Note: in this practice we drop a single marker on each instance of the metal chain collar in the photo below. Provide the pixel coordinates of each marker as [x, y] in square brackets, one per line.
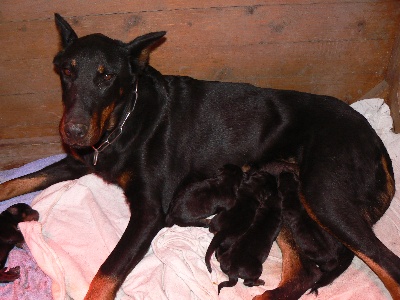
[116, 132]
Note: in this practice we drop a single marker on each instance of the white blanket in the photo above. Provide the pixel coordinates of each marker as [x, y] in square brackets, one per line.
[82, 220]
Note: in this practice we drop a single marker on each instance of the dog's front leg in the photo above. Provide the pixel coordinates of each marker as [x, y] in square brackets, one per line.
[65, 169]
[144, 223]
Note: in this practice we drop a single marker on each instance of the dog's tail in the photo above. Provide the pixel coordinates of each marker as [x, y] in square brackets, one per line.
[214, 244]
[231, 282]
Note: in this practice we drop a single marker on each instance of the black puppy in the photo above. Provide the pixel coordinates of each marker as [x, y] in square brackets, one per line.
[229, 225]
[245, 257]
[146, 132]
[199, 198]
[10, 236]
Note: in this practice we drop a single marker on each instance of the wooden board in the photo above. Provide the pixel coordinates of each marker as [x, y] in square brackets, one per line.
[393, 79]
[340, 48]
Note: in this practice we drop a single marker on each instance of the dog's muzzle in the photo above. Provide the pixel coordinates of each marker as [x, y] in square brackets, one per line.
[75, 134]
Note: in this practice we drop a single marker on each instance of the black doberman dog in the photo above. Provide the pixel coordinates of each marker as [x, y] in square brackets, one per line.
[10, 236]
[198, 198]
[246, 255]
[144, 131]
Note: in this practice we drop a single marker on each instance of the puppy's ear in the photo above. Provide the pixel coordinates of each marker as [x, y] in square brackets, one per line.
[68, 35]
[140, 48]
[13, 210]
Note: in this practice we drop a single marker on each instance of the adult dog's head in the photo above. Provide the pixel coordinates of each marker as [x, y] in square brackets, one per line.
[98, 76]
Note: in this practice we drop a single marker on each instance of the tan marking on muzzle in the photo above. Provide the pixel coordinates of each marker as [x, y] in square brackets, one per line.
[98, 122]
[101, 69]
[105, 115]
[108, 116]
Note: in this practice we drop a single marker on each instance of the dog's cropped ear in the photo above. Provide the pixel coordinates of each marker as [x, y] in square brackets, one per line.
[140, 48]
[68, 35]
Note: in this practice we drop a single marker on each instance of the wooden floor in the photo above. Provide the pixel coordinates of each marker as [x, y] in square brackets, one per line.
[17, 152]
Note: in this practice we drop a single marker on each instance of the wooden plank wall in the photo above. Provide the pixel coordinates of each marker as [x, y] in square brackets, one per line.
[393, 82]
[338, 47]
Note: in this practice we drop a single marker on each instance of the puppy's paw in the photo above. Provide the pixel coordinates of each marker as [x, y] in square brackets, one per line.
[9, 274]
[254, 282]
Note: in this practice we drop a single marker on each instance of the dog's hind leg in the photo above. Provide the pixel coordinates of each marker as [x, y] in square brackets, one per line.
[299, 274]
[65, 169]
[351, 223]
[356, 234]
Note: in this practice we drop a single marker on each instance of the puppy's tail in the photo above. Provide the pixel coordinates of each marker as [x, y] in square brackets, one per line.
[214, 244]
[231, 282]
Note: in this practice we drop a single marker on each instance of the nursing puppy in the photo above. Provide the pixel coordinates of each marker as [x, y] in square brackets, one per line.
[199, 198]
[229, 225]
[10, 236]
[246, 256]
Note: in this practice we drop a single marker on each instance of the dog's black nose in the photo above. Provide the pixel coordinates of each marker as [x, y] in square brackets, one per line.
[73, 130]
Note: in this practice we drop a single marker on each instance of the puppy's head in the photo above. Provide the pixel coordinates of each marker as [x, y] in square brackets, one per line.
[98, 76]
[22, 212]
[230, 175]
[258, 183]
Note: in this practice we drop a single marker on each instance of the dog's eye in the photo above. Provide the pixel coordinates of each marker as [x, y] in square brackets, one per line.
[67, 72]
[108, 77]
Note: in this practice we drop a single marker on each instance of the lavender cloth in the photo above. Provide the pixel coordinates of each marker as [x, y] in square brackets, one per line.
[25, 169]
[33, 284]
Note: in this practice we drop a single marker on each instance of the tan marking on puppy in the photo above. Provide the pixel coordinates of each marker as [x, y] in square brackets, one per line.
[102, 287]
[73, 62]
[246, 168]
[19, 186]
